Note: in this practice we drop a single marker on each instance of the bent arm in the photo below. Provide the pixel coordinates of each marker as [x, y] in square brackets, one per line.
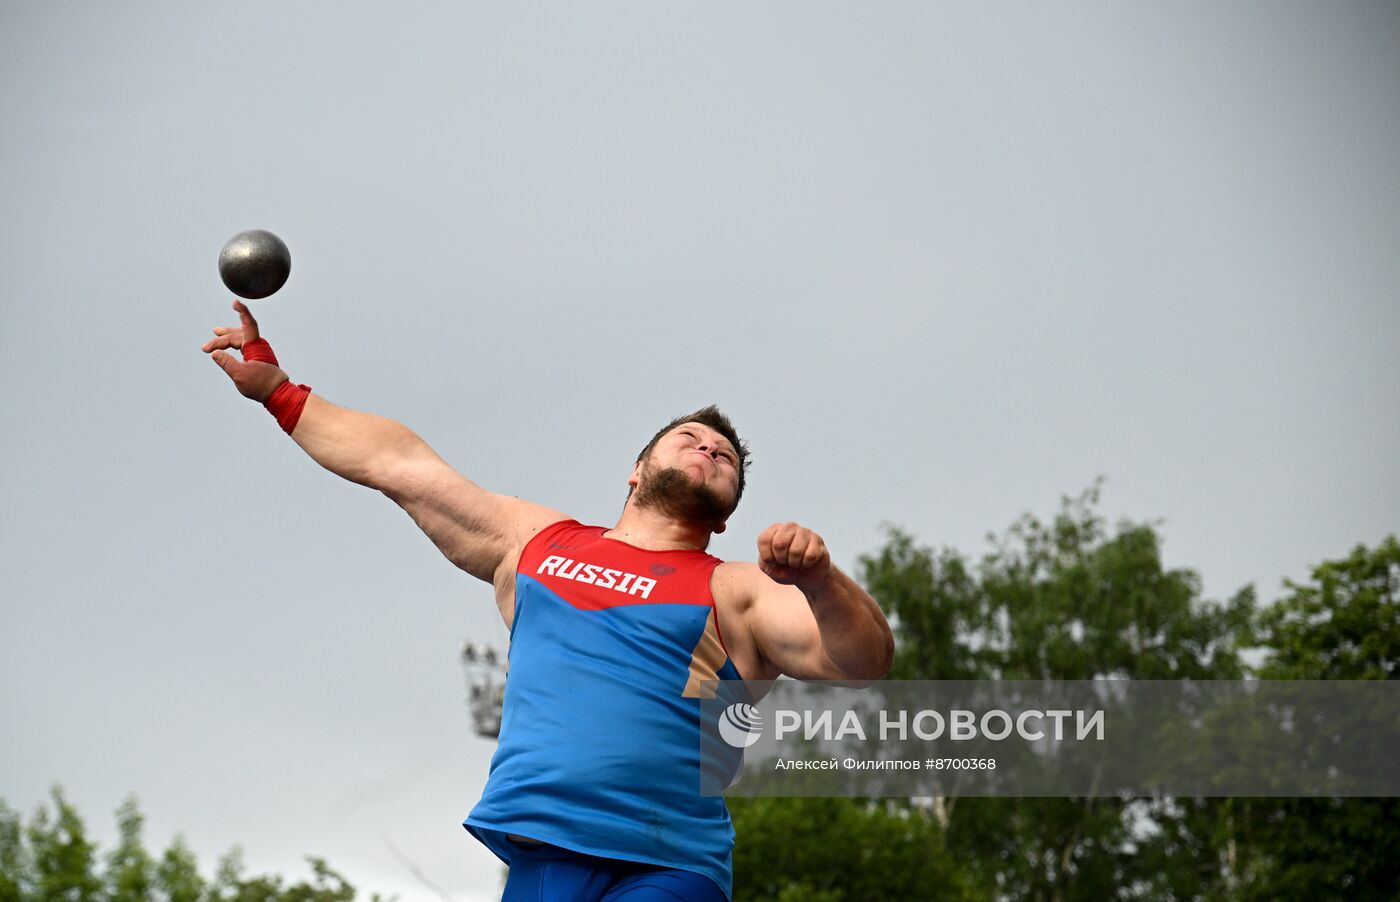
[852, 631]
[828, 630]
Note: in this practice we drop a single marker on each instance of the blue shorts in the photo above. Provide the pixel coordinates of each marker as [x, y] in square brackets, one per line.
[545, 873]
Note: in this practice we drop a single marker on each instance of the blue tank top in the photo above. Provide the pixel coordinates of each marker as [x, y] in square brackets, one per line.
[600, 748]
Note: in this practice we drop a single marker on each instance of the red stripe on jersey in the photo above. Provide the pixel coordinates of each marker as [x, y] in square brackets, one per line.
[593, 573]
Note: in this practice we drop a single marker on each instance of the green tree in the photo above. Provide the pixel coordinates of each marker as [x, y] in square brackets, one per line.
[15, 869]
[1065, 599]
[52, 860]
[1069, 600]
[840, 850]
[230, 885]
[177, 875]
[1342, 624]
[130, 870]
[64, 859]
[326, 886]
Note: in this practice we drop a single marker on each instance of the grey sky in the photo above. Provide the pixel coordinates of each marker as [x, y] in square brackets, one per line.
[942, 263]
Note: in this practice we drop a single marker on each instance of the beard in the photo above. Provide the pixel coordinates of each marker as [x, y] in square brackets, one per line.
[669, 491]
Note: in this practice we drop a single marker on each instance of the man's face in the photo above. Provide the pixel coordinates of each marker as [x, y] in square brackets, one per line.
[692, 474]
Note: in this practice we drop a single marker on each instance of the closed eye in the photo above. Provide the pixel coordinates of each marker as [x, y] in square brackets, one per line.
[726, 454]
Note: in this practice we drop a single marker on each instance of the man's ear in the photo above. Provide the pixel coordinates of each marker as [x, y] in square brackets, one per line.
[718, 527]
[635, 479]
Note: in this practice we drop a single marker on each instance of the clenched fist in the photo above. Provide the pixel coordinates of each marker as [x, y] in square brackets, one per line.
[793, 555]
[257, 374]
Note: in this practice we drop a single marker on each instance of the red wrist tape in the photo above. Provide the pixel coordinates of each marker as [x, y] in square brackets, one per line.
[285, 403]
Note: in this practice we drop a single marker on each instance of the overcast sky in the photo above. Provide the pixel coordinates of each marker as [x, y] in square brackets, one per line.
[943, 263]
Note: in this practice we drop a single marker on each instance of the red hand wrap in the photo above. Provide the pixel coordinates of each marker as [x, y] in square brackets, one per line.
[285, 403]
[258, 349]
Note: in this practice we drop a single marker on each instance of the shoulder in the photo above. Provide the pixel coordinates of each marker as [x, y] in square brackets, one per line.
[736, 584]
[735, 588]
[530, 525]
[548, 529]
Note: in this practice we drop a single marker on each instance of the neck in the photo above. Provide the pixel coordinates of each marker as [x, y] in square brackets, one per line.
[654, 531]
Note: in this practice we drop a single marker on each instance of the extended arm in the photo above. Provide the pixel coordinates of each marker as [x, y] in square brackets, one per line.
[475, 529]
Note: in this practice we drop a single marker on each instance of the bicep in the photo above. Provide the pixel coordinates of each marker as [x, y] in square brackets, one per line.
[475, 529]
[785, 631]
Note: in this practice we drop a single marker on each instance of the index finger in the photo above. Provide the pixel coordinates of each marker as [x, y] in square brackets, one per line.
[765, 543]
[250, 325]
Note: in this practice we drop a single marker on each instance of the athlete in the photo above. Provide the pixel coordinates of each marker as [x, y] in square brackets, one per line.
[594, 788]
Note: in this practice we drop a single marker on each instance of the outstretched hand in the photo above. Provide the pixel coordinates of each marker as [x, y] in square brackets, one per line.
[257, 374]
[793, 555]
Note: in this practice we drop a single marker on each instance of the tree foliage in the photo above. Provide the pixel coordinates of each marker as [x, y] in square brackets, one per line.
[53, 860]
[1072, 599]
[883, 851]
[1342, 624]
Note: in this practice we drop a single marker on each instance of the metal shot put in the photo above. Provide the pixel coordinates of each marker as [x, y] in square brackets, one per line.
[255, 264]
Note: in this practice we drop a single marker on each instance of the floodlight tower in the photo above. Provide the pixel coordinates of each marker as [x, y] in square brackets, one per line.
[486, 687]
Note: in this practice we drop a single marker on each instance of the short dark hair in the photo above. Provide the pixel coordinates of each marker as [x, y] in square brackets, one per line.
[712, 417]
